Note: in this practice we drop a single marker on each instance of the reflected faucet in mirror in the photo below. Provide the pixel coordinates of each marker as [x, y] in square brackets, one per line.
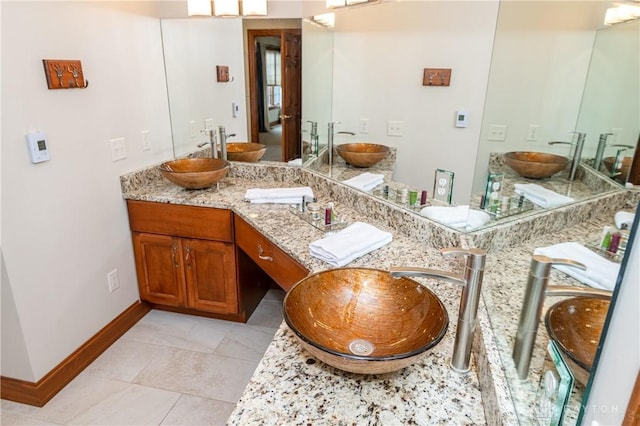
[577, 153]
[315, 140]
[602, 145]
[212, 141]
[537, 288]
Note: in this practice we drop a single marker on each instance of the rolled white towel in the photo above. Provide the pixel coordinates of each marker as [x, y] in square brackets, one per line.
[345, 246]
[540, 196]
[624, 220]
[600, 272]
[365, 181]
[296, 162]
[278, 195]
[457, 216]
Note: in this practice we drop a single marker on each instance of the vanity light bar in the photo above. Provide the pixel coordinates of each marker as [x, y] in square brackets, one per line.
[254, 7]
[332, 4]
[621, 13]
[199, 7]
[325, 20]
[226, 8]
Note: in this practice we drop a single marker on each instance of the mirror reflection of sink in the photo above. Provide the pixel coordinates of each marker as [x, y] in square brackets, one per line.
[364, 320]
[195, 173]
[535, 165]
[576, 325]
[623, 170]
[244, 151]
[362, 154]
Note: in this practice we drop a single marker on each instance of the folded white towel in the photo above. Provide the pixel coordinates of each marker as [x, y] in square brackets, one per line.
[540, 196]
[365, 181]
[296, 162]
[624, 219]
[457, 216]
[278, 195]
[600, 273]
[345, 246]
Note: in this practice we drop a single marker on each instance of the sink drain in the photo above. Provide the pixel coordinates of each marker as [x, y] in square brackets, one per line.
[361, 347]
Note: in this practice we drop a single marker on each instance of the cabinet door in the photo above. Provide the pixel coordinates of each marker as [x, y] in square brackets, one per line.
[210, 268]
[160, 269]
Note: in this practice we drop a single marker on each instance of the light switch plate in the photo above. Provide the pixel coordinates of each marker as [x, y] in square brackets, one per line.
[118, 149]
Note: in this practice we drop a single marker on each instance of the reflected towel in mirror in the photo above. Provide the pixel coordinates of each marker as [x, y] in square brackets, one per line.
[278, 195]
[365, 181]
[296, 162]
[601, 273]
[345, 246]
[461, 217]
[542, 197]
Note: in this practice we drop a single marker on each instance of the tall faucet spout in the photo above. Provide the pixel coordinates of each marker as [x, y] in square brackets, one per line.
[469, 300]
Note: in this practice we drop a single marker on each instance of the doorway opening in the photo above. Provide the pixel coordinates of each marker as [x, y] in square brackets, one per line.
[274, 58]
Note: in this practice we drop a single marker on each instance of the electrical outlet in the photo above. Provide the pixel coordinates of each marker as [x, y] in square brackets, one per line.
[532, 135]
[497, 132]
[118, 149]
[394, 128]
[193, 131]
[146, 143]
[113, 280]
[364, 126]
[208, 124]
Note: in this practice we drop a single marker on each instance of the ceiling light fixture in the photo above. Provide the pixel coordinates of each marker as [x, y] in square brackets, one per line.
[254, 7]
[332, 4]
[621, 13]
[199, 7]
[226, 8]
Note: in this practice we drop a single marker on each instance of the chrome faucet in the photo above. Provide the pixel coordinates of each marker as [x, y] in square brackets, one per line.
[577, 153]
[602, 145]
[223, 141]
[315, 143]
[471, 282]
[211, 141]
[535, 292]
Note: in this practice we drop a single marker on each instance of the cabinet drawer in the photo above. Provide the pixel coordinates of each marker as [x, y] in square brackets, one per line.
[282, 268]
[183, 221]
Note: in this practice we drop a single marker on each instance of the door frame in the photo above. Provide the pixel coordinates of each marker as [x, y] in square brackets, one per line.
[252, 34]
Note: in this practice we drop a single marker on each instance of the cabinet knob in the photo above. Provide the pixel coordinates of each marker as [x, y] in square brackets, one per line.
[261, 256]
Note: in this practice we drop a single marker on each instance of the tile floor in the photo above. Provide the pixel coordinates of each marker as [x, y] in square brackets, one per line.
[169, 369]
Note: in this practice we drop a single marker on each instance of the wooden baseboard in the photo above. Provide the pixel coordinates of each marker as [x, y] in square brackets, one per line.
[46, 388]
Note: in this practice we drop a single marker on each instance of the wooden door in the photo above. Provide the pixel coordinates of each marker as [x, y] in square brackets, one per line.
[210, 271]
[160, 269]
[291, 60]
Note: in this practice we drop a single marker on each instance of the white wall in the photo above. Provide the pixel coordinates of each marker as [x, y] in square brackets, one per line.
[64, 221]
[611, 98]
[380, 54]
[193, 48]
[540, 60]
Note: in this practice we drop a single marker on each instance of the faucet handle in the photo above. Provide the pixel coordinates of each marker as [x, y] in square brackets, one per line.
[476, 257]
[541, 264]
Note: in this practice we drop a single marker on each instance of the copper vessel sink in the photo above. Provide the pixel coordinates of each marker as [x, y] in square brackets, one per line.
[576, 325]
[364, 320]
[195, 173]
[535, 165]
[362, 154]
[244, 151]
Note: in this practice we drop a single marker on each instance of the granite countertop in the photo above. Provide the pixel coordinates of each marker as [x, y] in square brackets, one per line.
[290, 387]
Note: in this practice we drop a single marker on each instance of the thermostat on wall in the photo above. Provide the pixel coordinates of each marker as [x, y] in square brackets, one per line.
[38, 147]
[461, 118]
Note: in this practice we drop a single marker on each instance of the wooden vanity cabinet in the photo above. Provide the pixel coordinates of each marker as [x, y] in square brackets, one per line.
[185, 258]
[274, 262]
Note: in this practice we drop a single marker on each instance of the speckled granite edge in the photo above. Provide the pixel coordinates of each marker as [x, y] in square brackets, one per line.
[550, 221]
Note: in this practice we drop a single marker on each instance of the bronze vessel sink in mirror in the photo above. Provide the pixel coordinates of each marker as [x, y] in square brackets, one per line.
[535, 165]
[244, 151]
[362, 154]
[576, 325]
